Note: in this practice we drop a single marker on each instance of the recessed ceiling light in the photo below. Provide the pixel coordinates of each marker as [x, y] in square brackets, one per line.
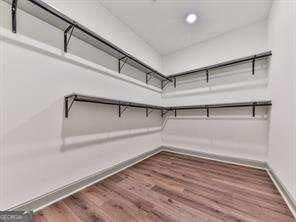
[191, 18]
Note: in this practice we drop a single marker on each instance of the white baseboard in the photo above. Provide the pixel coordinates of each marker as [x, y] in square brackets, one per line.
[65, 191]
[290, 201]
[226, 159]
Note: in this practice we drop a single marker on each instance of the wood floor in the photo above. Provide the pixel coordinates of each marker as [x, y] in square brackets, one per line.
[172, 187]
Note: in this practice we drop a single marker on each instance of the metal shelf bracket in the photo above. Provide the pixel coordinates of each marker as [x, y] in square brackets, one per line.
[164, 83]
[68, 104]
[164, 112]
[148, 112]
[66, 38]
[121, 110]
[120, 66]
[149, 76]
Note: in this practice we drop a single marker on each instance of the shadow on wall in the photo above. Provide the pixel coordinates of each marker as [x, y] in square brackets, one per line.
[107, 138]
[88, 124]
[232, 132]
[35, 135]
[223, 79]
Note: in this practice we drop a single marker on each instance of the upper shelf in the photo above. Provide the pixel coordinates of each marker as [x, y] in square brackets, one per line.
[107, 101]
[206, 69]
[70, 27]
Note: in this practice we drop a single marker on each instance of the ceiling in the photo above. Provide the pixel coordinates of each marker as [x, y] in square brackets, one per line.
[161, 23]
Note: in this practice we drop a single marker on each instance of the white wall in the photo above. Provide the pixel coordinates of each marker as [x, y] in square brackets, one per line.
[282, 137]
[102, 22]
[229, 132]
[240, 138]
[237, 93]
[37, 141]
[40, 149]
[231, 45]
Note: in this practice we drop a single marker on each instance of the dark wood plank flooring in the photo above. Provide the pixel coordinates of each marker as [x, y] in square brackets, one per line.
[173, 187]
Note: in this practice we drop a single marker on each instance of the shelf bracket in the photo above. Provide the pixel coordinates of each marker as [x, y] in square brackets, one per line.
[120, 66]
[254, 110]
[121, 110]
[208, 111]
[164, 83]
[175, 111]
[164, 112]
[148, 112]
[66, 38]
[13, 15]
[68, 104]
[253, 65]
[149, 76]
[175, 82]
[207, 75]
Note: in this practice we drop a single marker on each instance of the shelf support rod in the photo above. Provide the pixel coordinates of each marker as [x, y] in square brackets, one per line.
[253, 65]
[175, 82]
[66, 39]
[207, 74]
[208, 111]
[254, 109]
[175, 112]
[13, 15]
[119, 63]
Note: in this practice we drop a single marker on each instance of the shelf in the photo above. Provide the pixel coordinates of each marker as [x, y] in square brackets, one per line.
[122, 105]
[207, 107]
[35, 45]
[70, 99]
[70, 28]
[206, 69]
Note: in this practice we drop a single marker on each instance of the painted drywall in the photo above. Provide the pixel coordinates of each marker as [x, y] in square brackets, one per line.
[282, 137]
[232, 93]
[102, 22]
[54, 37]
[40, 149]
[237, 135]
[226, 85]
[34, 132]
[238, 43]
[227, 132]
